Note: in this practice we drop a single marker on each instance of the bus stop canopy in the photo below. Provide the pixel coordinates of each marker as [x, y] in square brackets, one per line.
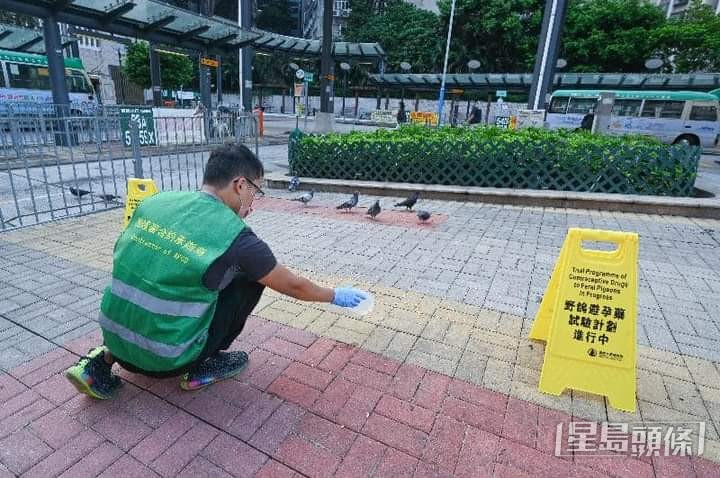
[13, 37]
[269, 41]
[161, 23]
[520, 82]
[151, 20]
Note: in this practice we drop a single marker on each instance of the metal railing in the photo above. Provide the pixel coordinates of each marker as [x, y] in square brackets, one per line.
[54, 166]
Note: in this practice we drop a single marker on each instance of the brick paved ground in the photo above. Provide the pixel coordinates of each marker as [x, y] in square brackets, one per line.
[439, 379]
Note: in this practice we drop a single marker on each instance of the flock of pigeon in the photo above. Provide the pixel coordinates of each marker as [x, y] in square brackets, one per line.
[79, 193]
[373, 210]
[347, 206]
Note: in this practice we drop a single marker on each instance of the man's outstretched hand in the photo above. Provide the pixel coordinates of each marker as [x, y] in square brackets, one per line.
[348, 297]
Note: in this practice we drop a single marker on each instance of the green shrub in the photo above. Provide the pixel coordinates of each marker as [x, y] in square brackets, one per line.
[496, 157]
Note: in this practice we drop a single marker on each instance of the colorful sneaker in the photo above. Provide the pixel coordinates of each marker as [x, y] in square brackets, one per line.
[220, 366]
[92, 376]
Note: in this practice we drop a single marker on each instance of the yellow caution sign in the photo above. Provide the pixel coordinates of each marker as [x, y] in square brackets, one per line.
[588, 317]
[138, 189]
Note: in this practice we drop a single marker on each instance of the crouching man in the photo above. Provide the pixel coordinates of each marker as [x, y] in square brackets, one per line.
[187, 273]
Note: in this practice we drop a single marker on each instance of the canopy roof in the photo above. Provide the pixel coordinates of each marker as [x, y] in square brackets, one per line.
[159, 22]
[522, 81]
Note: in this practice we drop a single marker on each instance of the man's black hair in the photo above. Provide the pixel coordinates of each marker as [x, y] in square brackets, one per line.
[230, 161]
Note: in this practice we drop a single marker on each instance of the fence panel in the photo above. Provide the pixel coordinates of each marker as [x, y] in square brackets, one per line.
[464, 159]
[55, 165]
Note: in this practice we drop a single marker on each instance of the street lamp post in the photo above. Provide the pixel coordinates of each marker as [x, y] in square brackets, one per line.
[405, 67]
[345, 67]
[441, 100]
[294, 67]
[472, 66]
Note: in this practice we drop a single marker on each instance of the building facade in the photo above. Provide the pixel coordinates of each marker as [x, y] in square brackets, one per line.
[312, 14]
[101, 56]
[674, 8]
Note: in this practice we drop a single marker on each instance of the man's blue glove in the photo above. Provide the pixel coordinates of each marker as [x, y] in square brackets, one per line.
[348, 297]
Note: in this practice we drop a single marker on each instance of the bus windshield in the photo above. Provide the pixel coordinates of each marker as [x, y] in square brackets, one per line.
[37, 77]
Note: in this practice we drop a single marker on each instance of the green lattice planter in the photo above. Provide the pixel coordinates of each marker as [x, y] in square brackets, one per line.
[493, 157]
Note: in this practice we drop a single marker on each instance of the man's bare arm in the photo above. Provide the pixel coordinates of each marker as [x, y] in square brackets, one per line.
[282, 280]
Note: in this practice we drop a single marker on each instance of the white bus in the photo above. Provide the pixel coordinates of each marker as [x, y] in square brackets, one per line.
[671, 116]
[25, 84]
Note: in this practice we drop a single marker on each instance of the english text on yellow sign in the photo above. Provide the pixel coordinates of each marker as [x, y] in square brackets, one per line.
[588, 317]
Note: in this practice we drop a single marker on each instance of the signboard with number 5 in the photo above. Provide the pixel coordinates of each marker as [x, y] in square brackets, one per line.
[145, 122]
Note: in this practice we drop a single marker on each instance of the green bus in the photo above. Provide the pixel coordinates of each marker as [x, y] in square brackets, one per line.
[25, 83]
[672, 116]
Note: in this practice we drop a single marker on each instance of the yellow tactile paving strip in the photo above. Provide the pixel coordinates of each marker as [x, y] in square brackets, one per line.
[479, 345]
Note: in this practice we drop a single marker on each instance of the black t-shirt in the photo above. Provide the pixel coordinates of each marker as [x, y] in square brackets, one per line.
[247, 256]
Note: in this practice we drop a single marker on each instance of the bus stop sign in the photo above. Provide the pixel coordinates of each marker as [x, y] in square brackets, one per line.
[146, 126]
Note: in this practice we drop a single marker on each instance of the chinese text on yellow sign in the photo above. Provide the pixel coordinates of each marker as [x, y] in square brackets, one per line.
[588, 316]
[138, 189]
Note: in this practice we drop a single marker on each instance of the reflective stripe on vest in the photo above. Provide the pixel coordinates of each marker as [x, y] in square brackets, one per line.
[155, 305]
[158, 348]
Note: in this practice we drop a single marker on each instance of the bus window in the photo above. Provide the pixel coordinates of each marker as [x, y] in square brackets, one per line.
[626, 107]
[663, 109]
[581, 105]
[28, 76]
[558, 105]
[703, 113]
[76, 82]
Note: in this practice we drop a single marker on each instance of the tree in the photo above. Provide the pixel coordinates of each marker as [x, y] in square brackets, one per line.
[274, 16]
[176, 71]
[610, 35]
[501, 34]
[406, 32]
[691, 43]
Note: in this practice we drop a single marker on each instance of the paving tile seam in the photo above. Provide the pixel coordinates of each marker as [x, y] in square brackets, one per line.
[399, 293]
[714, 420]
[339, 372]
[515, 372]
[139, 385]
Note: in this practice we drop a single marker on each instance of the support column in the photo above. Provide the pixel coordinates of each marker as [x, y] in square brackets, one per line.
[218, 79]
[155, 80]
[547, 53]
[205, 98]
[245, 60]
[56, 63]
[56, 68]
[205, 7]
[325, 120]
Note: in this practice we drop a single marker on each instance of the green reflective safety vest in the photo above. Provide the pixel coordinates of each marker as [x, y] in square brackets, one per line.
[156, 312]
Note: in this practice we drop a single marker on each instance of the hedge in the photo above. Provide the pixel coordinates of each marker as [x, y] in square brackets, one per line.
[502, 158]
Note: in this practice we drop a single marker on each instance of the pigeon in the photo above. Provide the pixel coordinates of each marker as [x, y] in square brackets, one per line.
[350, 203]
[294, 184]
[108, 197]
[305, 198]
[423, 215]
[374, 210]
[409, 202]
[79, 192]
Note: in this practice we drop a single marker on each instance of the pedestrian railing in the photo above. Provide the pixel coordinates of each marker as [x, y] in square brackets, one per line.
[54, 166]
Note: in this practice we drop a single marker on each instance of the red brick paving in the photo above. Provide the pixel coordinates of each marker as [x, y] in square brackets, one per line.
[388, 217]
[306, 406]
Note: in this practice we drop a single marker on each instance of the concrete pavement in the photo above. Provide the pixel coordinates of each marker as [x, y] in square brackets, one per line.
[439, 379]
